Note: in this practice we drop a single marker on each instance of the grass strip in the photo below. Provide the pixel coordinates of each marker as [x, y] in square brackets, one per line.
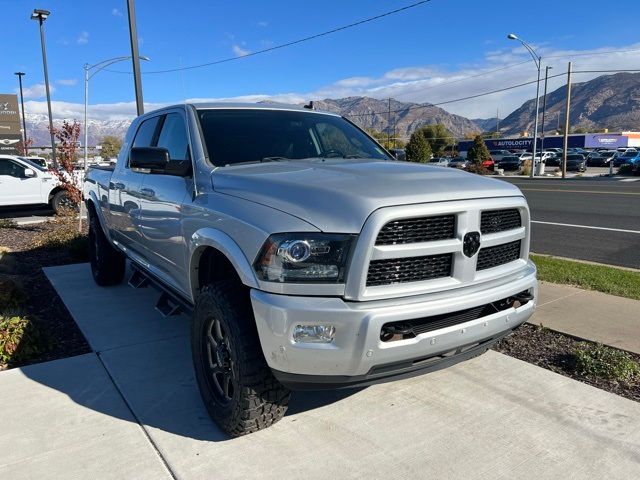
[601, 278]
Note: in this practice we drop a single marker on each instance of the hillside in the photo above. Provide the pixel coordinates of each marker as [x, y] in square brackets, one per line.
[608, 101]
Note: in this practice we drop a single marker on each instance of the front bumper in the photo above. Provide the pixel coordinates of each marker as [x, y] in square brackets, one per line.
[357, 356]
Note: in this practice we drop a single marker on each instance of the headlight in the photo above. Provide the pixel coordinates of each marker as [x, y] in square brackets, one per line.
[304, 258]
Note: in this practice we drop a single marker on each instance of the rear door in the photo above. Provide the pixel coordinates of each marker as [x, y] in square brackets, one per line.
[124, 190]
[15, 187]
[162, 199]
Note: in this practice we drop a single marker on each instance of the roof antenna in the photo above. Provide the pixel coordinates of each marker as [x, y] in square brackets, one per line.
[309, 105]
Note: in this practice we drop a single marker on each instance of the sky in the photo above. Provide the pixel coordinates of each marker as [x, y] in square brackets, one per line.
[435, 52]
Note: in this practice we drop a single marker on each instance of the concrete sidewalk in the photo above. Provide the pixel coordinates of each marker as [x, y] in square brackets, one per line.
[491, 417]
[595, 316]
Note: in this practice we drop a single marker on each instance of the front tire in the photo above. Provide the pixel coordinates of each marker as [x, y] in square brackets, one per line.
[239, 391]
[107, 263]
[61, 202]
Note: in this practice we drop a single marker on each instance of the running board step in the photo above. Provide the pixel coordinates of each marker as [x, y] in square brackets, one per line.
[138, 280]
[167, 306]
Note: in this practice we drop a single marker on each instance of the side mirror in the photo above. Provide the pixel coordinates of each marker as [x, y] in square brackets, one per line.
[28, 173]
[155, 159]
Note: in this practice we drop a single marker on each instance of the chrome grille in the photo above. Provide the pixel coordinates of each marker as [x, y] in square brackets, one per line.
[414, 230]
[493, 221]
[412, 269]
[499, 255]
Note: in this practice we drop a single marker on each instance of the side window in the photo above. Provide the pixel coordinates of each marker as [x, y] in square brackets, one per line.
[173, 137]
[146, 133]
[12, 169]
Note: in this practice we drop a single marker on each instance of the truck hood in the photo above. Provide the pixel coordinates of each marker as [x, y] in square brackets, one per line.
[338, 195]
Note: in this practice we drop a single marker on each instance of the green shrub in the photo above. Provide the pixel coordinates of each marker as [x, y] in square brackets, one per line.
[605, 362]
[12, 329]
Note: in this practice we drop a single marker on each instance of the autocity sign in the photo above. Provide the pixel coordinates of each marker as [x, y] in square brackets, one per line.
[515, 143]
[605, 140]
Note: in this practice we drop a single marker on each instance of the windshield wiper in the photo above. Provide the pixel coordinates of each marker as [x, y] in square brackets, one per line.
[273, 159]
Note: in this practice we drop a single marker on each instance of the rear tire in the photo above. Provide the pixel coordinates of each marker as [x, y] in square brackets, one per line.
[107, 263]
[239, 391]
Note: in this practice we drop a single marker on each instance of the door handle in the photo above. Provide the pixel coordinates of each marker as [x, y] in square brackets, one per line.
[117, 185]
[147, 192]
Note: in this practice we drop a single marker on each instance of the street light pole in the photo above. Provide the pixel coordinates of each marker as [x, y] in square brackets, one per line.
[537, 59]
[24, 123]
[41, 16]
[544, 106]
[135, 56]
[87, 76]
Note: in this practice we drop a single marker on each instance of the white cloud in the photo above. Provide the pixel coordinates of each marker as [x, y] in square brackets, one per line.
[67, 82]
[263, 24]
[434, 84]
[37, 90]
[238, 51]
[83, 38]
[116, 13]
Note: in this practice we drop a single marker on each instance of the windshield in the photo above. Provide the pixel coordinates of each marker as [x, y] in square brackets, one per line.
[254, 135]
[33, 164]
[575, 157]
[629, 154]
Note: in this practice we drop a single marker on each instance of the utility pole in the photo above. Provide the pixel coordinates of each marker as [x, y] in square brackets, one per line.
[497, 122]
[135, 56]
[566, 124]
[389, 126]
[544, 106]
[41, 16]
[24, 122]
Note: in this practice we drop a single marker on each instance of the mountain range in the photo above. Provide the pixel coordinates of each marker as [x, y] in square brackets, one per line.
[608, 101]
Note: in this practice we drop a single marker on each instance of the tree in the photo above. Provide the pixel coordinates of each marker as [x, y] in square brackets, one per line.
[23, 147]
[66, 150]
[111, 146]
[418, 149]
[438, 137]
[478, 152]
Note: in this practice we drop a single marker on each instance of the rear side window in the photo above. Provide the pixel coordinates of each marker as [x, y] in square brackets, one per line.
[146, 133]
[12, 169]
[173, 137]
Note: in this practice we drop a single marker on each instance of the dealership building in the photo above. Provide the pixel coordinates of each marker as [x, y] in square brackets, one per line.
[587, 140]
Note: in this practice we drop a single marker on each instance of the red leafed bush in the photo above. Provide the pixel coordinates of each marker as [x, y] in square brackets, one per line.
[66, 153]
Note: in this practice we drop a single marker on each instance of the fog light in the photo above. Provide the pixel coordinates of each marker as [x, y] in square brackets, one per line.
[314, 333]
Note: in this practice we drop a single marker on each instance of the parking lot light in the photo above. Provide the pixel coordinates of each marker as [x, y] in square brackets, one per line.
[537, 59]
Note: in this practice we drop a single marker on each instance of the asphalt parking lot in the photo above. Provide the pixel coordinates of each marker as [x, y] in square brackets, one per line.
[588, 219]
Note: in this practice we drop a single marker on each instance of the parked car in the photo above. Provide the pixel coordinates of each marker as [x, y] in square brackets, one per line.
[37, 160]
[307, 257]
[23, 182]
[511, 162]
[554, 159]
[629, 156]
[576, 163]
[554, 150]
[600, 159]
[398, 153]
[497, 155]
[459, 162]
[439, 161]
[524, 155]
[489, 164]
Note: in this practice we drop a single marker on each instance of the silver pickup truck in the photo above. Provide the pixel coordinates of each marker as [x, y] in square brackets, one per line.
[307, 256]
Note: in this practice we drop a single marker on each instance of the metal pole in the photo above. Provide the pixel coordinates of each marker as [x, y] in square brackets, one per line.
[535, 128]
[544, 107]
[24, 122]
[54, 159]
[389, 126]
[497, 122]
[566, 124]
[86, 103]
[135, 57]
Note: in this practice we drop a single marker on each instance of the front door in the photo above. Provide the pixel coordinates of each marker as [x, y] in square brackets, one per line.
[162, 199]
[16, 188]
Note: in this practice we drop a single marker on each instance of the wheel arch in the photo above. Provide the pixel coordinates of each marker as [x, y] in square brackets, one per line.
[213, 255]
[93, 208]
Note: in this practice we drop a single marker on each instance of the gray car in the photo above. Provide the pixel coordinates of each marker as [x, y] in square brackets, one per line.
[306, 256]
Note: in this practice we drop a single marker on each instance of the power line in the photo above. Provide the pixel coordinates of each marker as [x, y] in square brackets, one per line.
[288, 44]
[591, 53]
[511, 87]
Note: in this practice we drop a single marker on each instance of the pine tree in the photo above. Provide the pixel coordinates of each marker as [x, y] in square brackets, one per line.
[418, 150]
[478, 152]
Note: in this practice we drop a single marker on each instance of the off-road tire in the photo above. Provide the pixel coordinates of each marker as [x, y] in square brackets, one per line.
[61, 201]
[107, 263]
[259, 400]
